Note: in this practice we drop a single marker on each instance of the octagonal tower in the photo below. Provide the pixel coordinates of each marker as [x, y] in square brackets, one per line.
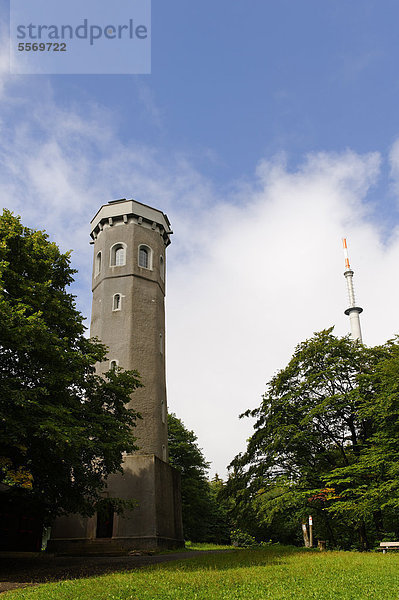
[128, 313]
[128, 316]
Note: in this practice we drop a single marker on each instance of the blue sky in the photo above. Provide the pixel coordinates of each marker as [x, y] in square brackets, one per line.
[245, 79]
[266, 131]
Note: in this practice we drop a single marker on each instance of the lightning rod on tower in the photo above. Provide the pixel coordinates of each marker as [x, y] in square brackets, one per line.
[353, 311]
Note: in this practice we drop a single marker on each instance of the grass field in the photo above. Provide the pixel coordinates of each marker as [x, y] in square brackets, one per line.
[205, 546]
[268, 573]
[195, 546]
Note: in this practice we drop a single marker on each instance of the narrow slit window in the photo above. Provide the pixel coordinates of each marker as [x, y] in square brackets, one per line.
[98, 264]
[162, 267]
[116, 305]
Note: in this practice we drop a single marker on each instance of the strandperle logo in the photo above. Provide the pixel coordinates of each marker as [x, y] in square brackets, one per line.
[80, 37]
[85, 31]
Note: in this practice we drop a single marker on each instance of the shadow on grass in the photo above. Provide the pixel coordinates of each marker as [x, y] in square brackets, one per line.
[235, 559]
[15, 572]
[45, 569]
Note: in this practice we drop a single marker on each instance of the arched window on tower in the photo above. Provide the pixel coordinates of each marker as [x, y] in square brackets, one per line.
[145, 257]
[116, 302]
[97, 269]
[113, 364]
[118, 255]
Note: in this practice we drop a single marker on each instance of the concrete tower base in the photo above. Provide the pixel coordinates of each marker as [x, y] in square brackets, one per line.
[155, 523]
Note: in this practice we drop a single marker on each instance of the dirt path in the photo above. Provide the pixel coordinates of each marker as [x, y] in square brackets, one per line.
[22, 572]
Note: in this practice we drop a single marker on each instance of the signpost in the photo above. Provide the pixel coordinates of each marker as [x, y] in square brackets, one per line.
[305, 535]
[310, 531]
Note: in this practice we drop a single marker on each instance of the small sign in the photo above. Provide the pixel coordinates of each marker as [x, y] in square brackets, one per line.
[310, 520]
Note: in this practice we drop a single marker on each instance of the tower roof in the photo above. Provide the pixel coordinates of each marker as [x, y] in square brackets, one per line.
[122, 209]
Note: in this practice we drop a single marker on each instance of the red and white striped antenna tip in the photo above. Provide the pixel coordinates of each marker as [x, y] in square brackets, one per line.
[347, 265]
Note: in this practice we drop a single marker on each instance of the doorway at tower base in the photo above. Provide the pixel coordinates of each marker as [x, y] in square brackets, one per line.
[155, 523]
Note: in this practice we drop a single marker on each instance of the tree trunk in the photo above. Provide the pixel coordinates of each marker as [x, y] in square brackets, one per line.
[378, 521]
[363, 536]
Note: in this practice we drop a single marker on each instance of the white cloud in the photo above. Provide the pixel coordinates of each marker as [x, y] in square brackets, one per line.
[249, 275]
[266, 275]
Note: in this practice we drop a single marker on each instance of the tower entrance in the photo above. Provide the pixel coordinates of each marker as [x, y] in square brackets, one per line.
[105, 521]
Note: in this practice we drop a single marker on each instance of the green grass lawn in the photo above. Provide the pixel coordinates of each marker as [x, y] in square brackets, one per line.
[196, 546]
[268, 573]
[205, 546]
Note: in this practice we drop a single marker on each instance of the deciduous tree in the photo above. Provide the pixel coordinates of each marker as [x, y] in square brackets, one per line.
[317, 440]
[63, 428]
[186, 456]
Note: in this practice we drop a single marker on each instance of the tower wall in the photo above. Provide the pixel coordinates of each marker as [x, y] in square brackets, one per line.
[133, 329]
[135, 333]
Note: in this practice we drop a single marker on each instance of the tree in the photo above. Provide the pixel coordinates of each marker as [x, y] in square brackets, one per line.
[369, 486]
[219, 522]
[63, 428]
[316, 425]
[205, 513]
[187, 457]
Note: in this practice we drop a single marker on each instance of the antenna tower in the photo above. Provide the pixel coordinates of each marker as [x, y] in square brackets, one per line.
[353, 311]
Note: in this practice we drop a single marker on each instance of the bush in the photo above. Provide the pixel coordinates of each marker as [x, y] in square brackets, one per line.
[241, 539]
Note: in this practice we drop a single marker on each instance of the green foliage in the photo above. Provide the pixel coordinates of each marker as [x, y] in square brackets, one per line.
[325, 443]
[204, 516]
[272, 573]
[63, 428]
[369, 486]
[187, 457]
[241, 539]
[219, 523]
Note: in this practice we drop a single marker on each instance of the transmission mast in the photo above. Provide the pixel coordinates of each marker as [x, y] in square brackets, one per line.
[353, 311]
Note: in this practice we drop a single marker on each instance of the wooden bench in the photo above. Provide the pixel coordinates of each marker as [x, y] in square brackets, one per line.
[388, 545]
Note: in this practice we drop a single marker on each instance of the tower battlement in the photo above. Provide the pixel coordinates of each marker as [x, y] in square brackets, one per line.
[130, 211]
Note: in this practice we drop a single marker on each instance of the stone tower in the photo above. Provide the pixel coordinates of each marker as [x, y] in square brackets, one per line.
[128, 313]
[128, 316]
